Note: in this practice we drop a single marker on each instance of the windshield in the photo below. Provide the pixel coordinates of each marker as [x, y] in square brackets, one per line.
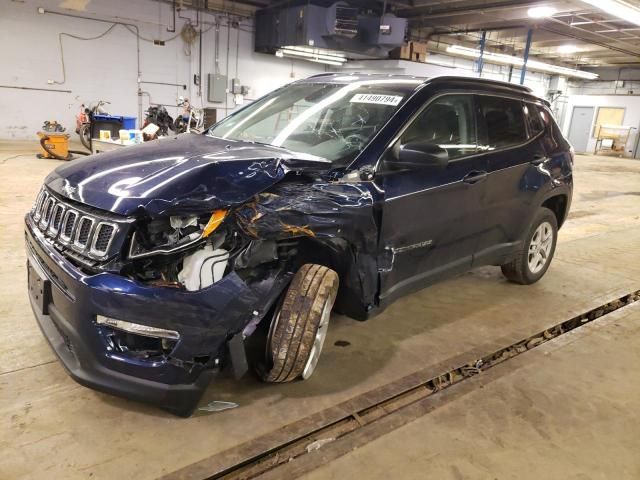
[330, 120]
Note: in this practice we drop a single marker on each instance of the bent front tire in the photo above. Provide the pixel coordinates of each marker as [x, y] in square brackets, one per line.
[299, 326]
[539, 247]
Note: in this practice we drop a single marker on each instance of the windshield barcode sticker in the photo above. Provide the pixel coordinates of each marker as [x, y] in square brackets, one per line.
[378, 99]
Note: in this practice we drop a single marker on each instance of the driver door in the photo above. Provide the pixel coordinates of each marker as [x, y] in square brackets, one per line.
[433, 216]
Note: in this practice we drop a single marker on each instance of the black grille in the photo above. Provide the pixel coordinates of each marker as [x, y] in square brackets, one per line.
[68, 226]
[84, 230]
[103, 237]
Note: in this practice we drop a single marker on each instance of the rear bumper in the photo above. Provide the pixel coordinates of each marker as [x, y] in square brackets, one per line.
[65, 302]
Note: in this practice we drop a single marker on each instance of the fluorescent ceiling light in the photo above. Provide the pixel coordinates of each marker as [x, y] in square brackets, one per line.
[531, 64]
[440, 63]
[327, 57]
[617, 8]
[567, 49]
[326, 62]
[541, 11]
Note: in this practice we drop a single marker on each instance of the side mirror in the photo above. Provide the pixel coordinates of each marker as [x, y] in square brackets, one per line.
[419, 155]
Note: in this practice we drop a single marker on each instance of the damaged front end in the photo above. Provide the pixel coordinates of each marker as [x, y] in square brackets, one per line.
[173, 294]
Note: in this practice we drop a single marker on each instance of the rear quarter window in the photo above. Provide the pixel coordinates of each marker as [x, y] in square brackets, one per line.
[535, 118]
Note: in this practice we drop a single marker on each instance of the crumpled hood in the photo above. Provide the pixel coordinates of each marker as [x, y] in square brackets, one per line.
[178, 174]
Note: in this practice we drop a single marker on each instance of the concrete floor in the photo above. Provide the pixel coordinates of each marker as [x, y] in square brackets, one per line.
[51, 427]
[567, 410]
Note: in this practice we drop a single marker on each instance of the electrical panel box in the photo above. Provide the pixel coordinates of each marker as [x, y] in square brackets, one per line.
[236, 86]
[217, 88]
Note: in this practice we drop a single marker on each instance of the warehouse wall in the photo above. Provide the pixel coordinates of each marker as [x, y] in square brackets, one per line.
[631, 104]
[106, 68]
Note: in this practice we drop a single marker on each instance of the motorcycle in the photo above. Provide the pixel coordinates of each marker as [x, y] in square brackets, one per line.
[159, 116]
[191, 118]
[84, 119]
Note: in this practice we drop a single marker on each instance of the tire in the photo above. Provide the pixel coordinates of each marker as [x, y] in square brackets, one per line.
[533, 260]
[299, 325]
[85, 135]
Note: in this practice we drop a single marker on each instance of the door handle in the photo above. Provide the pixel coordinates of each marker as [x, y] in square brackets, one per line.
[539, 158]
[474, 176]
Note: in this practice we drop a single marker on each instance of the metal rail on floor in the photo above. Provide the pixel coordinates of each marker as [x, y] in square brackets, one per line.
[272, 459]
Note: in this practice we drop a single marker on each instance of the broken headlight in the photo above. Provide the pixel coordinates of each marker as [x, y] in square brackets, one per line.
[173, 234]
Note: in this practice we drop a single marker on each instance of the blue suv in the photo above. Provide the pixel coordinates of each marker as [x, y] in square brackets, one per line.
[152, 268]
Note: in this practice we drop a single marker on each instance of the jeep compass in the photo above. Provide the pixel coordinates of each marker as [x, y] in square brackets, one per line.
[153, 267]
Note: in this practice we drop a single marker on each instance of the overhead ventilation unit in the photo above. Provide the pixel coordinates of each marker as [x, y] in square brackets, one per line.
[342, 20]
[387, 31]
[327, 34]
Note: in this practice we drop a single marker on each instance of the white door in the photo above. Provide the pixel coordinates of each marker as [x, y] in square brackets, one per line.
[580, 127]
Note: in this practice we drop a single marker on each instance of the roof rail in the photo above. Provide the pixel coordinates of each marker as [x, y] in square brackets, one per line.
[487, 81]
[322, 74]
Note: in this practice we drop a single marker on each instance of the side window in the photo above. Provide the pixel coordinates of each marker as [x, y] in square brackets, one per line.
[534, 119]
[504, 121]
[449, 123]
[545, 116]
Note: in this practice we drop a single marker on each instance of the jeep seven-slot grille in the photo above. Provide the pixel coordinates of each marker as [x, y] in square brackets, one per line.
[86, 233]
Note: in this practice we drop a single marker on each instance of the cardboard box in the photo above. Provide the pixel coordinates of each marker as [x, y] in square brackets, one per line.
[401, 53]
[415, 51]
[418, 47]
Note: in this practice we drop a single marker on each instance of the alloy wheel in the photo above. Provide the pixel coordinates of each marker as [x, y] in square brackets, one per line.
[540, 247]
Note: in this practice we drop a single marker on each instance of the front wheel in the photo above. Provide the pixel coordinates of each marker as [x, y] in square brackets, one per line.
[299, 326]
[534, 259]
[85, 135]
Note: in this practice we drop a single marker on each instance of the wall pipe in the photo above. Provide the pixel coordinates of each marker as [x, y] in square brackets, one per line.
[139, 72]
[34, 88]
[184, 87]
[173, 28]
[523, 72]
[199, 58]
[226, 69]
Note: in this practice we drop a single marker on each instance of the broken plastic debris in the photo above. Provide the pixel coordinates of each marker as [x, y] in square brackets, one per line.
[318, 444]
[218, 406]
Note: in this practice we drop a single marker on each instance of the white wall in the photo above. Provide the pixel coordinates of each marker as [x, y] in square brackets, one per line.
[630, 103]
[106, 68]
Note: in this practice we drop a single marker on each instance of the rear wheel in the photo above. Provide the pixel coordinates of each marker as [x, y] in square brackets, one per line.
[299, 326]
[534, 259]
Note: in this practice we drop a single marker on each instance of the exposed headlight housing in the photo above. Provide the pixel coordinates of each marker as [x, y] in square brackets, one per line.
[136, 328]
[173, 234]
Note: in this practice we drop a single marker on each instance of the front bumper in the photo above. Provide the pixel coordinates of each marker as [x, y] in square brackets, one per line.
[66, 302]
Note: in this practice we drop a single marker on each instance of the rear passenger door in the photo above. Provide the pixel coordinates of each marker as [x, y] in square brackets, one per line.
[511, 134]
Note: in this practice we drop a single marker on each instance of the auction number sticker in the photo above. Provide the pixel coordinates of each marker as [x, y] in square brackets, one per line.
[377, 99]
